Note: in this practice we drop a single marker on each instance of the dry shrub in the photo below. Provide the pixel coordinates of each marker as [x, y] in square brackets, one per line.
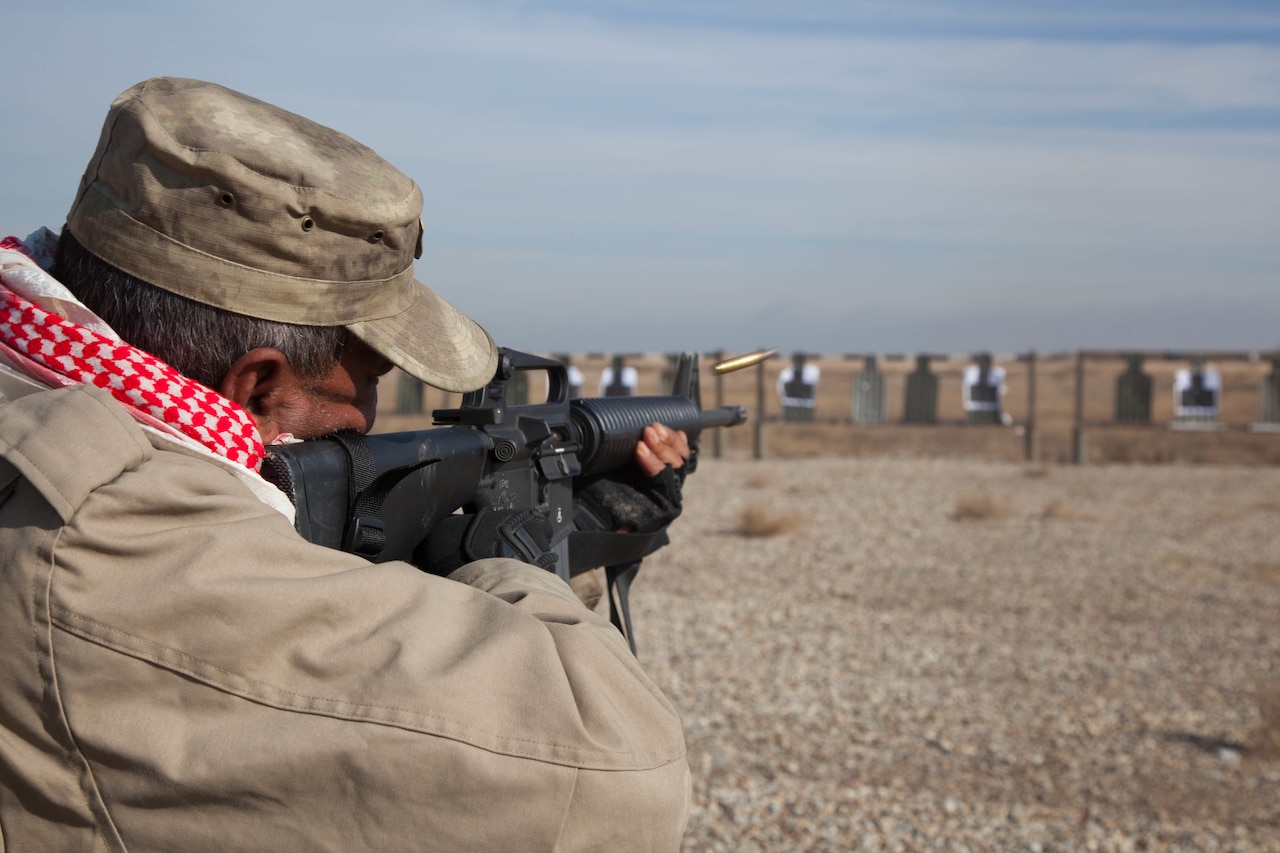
[982, 507]
[1267, 573]
[1184, 561]
[1060, 510]
[1116, 452]
[1151, 449]
[1266, 739]
[763, 522]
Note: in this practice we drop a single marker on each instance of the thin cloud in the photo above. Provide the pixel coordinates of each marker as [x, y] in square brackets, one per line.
[878, 78]
[883, 165]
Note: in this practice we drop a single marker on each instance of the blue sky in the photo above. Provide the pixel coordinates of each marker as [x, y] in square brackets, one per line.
[828, 176]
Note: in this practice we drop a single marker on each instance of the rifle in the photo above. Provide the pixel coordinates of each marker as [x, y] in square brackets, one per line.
[380, 496]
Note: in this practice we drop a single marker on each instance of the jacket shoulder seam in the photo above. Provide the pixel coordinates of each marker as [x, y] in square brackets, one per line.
[77, 763]
[42, 460]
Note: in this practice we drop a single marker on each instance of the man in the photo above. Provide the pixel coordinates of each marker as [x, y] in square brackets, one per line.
[179, 669]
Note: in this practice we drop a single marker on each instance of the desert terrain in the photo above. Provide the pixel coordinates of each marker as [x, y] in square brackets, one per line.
[912, 638]
[942, 654]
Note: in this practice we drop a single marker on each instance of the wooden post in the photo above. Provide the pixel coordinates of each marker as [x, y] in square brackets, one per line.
[717, 442]
[1079, 450]
[760, 413]
[1033, 421]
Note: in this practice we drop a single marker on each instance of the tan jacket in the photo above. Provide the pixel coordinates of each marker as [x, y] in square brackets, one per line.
[179, 670]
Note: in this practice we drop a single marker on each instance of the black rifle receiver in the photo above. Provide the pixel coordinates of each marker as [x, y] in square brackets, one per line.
[380, 496]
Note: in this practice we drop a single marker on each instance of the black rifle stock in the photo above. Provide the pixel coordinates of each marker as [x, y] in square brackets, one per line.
[380, 496]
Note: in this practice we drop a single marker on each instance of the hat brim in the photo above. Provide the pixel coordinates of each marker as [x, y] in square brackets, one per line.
[434, 342]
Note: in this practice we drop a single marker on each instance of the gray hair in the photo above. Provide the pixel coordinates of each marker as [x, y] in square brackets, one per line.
[199, 341]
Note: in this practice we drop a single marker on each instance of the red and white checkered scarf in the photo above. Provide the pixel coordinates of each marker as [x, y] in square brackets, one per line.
[51, 347]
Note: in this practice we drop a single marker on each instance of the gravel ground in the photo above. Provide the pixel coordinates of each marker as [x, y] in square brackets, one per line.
[954, 655]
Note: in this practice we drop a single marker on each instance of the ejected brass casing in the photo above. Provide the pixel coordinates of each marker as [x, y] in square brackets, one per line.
[738, 362]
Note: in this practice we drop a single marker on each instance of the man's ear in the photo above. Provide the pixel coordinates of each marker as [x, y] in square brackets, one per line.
[264, 384]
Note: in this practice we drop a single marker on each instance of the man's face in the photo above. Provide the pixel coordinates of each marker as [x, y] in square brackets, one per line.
[345, 398]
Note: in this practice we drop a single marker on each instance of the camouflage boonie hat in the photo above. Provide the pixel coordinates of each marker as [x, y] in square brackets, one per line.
[230, 201]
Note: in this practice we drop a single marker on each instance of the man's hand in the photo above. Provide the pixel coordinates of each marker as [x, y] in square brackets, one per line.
[643, 499]
[660, 447]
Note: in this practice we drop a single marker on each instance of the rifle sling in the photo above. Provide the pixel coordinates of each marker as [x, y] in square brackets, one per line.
[620, 578]
[589, 549]
[365, 534]
[620, 554]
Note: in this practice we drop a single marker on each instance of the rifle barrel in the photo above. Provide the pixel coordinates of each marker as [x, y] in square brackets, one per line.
[725, 416]
[607, 428]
